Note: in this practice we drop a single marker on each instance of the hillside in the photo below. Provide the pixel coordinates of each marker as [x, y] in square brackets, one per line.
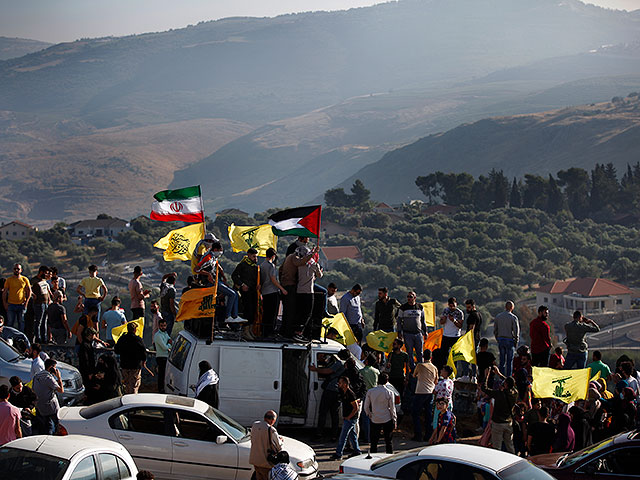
[541, 143]
[314, 97]
[17, 47]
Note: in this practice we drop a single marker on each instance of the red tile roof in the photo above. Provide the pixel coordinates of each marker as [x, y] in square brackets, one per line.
[347, 251]
[18, 222]
[586, 287]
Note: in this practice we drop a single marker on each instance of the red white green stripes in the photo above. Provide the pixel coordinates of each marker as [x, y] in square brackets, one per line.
[184, 205]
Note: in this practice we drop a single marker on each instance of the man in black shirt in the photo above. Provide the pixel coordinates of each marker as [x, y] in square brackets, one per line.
[350, 410]
[474, 322]
[485, 360]
[541, 434]
[133, 354]
[384, 316]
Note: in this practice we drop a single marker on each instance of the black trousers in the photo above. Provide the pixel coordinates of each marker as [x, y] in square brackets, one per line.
[374, 434]
[329, 404]
[137, 313]
[162, 368]
[270, 305]
[304, 308]
[540, 359]
[249, 302]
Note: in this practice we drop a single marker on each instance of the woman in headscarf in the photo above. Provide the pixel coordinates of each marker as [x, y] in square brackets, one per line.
[581, 427]
[565, 440]
[207, 387]
[109, 382]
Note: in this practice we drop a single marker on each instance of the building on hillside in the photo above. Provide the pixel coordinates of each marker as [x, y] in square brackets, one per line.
[330, 255]
[589, 295]
[384, 208]
[232, 211]
[86, 230]
[16, 230]
[441, 209]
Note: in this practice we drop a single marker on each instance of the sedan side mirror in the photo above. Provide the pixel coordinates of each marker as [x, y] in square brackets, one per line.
[220, 439]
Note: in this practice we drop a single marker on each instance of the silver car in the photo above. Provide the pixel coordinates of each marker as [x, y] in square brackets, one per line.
[13, 363]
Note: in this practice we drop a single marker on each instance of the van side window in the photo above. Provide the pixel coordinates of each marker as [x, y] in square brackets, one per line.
[179, 352]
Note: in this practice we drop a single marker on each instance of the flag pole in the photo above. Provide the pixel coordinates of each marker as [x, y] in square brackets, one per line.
[215, 301]
[204, 222]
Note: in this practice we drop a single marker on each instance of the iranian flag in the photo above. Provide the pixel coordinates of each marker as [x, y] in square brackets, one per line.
[302, 221]
[184, 205]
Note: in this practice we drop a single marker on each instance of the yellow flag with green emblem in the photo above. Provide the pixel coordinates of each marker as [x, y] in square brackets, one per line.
[260, 237]
[197, 303]
[381, 341]
[565, 385]
[463, 350]
[429, 313]
[339, 322]
[179, 244]
[117, 332]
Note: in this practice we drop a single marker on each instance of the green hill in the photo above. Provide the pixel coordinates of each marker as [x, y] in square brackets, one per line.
[17, 47]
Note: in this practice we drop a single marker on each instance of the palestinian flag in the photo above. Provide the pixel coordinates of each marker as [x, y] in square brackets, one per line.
[302, 221]
[183, 205]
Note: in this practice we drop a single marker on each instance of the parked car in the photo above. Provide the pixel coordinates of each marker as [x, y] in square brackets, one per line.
[178, 437]
[613, 458]
[13, 363]
[44, 457]
[447, 461]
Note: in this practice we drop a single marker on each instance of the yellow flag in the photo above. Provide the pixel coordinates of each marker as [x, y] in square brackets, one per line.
[179, 244]
[197, 303]
[596, 377]
[463, 350]
[565, 385]
[261, 238]
[117, 332]
[429, 313]
[381, 340]
[339, 322]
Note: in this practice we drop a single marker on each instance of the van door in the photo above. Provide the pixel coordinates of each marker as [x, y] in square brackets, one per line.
[295, 386]
[250, 382]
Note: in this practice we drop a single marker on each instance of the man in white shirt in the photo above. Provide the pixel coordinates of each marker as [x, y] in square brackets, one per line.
[39, 357]
[379, 405]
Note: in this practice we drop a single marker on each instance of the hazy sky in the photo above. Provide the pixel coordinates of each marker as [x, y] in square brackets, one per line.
[68, 20]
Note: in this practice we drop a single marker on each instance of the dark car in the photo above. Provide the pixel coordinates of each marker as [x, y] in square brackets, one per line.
[615, 457]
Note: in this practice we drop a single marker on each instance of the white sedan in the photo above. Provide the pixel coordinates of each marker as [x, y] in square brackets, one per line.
[178, 437]
[44, 457]
[447, 461]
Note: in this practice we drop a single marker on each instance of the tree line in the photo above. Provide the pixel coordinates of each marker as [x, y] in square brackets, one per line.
[598, 194]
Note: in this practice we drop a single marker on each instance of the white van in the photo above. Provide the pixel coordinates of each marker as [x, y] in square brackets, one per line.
[254, 376]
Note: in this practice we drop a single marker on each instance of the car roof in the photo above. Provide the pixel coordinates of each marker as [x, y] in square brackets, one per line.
[162, 400]
[64, 446]
[263, 344]
[489, 458]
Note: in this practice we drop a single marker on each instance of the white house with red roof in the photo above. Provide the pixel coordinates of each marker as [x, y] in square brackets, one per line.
[330, 255]
[16, 230]
[589, 295]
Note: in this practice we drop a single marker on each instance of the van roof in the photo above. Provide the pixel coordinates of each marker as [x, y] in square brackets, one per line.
[329, 344]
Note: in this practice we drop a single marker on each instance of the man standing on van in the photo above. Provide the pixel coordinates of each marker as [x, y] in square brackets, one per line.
[264, 440]
[246, 278]
[16, 293]
[351, 307]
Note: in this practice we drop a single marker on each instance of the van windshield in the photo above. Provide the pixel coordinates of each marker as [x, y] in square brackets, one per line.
[179, 352]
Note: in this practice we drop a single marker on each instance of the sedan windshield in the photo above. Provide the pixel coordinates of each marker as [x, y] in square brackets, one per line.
[7, 352]
[226, 424]
[523, 470]
[17, 464]
[584, 453]
[392, 458]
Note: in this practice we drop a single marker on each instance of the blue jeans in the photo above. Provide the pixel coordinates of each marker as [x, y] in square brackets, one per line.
[170, 318]
[575, 361]
[39, 323]
[413, 341]
[15, 316]
[422, 402]
[507, 347]
[467, 369]
[232, 299]
[348, 432]
[89, 302]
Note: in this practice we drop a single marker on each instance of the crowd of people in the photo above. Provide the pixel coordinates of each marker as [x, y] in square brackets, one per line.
[511, 416]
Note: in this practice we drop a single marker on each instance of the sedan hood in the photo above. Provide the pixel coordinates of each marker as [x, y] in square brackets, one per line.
[546, 461]
[361, 463]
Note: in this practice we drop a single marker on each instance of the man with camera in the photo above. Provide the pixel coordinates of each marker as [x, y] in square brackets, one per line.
[451, 321]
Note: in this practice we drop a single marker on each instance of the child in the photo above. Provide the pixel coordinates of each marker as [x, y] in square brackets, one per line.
[445, 432]
[556, 360]
[444, 389]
